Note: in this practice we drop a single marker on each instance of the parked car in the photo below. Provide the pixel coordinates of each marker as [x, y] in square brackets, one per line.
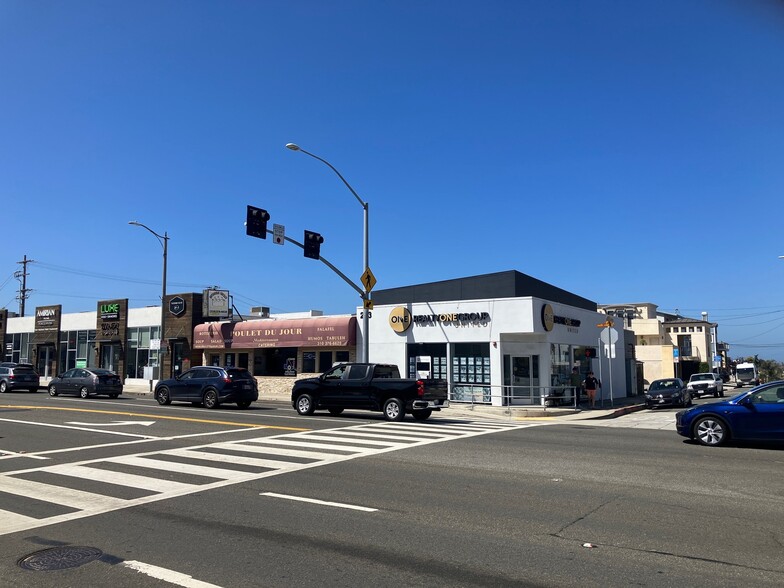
[210, 386]
[706, 383]
[18, 376]
[86, 381]
[754, 415]
[667, 392]
[369, 386]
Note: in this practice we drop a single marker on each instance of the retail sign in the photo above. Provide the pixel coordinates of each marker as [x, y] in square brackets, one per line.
[110, 312]
[452, 318]
[177, 306]
[216, 303]
[550, 319]
[400, 319]
[47, 318]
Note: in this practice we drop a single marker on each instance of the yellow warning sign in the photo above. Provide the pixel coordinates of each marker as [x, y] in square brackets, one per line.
[368, 280]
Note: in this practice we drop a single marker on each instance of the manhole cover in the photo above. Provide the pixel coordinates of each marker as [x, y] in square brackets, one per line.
[59, 558]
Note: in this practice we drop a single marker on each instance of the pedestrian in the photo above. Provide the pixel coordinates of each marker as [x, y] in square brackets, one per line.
[591, 384]
[575, 382]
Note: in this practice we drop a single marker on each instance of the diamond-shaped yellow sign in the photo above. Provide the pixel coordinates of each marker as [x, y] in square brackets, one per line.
[368, 280]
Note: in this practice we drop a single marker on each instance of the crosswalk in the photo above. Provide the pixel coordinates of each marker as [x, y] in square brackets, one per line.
[54, 494]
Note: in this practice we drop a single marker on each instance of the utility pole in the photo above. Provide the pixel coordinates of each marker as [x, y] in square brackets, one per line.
[21, 275]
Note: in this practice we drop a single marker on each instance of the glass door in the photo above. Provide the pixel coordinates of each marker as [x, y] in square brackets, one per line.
[521, 379]
[45, 360]
[110, 356]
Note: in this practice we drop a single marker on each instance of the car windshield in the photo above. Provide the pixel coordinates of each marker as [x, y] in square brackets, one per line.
[701, 377]
[662, 385]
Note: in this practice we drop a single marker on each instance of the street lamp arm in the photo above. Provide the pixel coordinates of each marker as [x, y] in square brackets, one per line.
[359, 290]
[161, 238]
[294, 147]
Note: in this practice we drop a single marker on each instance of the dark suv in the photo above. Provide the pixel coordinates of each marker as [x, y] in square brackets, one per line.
[210, 386]
[18, 376]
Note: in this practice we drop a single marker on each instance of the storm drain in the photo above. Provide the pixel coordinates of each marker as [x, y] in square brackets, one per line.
[59, 558]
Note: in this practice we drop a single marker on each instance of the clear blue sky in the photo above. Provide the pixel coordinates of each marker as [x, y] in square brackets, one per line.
[626, 151]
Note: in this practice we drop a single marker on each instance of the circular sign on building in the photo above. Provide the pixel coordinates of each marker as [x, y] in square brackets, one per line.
[548, 318]
[400, 319]
[177, 305]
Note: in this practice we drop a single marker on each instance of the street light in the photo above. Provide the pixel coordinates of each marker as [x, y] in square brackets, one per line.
[164, 241]
[365, 260]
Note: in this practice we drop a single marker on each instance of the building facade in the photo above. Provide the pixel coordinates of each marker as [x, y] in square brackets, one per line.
[500, 339]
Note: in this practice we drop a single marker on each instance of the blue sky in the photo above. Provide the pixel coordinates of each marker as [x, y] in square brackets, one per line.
[625, 151]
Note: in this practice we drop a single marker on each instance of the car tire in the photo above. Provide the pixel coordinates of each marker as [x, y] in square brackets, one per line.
[53, 390]
[210, 399]
[305, 404]
[336, 411]
[394, 410]
[113, 395]
[3, 387]
[423, 414]
[243, 404]
[710, 431]
[162, 396]
[689, 401]
[83, 392]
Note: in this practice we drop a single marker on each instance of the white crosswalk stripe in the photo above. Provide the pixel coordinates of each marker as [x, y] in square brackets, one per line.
[218, 464]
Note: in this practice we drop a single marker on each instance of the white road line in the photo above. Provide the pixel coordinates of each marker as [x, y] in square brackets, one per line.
[180, 468]
[238, 459]
[295, 441]
[8, 518]
[357, 440]
[322, 502]
[119, 478]
[78, 429]
[257, 446]
[11, 454]
[170, 576]
[86, 501]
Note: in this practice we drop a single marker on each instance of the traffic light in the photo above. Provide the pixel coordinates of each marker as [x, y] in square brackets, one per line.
[256, 222]
[590, 352]
[312, 244]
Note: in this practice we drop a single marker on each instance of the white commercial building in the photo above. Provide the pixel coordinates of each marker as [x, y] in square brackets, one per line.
[500, 339]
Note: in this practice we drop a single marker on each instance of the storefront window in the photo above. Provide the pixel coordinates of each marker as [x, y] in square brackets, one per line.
[77, 349]
[18, 348]
[560, 365]
[138, 354]
[471, 372]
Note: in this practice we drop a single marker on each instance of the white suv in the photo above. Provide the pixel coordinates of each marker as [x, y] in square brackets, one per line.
[705, 384]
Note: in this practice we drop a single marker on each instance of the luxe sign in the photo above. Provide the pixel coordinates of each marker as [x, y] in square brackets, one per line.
[110, 312]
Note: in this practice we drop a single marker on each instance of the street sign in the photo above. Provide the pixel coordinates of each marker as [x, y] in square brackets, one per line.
[278, 234]
[368, 304]
[368, 280]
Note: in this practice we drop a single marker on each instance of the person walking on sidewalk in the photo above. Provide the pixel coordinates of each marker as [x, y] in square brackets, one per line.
[591, 384]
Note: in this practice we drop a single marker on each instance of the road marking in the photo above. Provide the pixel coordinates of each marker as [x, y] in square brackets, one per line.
[7, 454]
[170, 576]
[55, 426]
[234, 466]
[322, 502]
[153, 416]
[112, 424]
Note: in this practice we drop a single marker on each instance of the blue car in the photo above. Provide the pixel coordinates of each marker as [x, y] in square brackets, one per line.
[754, 415]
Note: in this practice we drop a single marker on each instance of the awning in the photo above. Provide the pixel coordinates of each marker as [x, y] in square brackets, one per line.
[257, 334]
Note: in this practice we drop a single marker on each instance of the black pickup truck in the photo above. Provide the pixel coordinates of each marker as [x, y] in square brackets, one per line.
[369, 386]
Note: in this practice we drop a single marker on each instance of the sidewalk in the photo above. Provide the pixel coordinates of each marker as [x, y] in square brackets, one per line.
[619, 407]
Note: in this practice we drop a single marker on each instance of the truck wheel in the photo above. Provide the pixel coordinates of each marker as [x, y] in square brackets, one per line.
[422, 415]
[305, 404]
[394, 410]
[335, 411]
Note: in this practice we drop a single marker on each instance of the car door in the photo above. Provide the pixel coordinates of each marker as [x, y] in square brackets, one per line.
[195, 385]
[68, 382]
[354, 390]
[763, 417]
[178, 387]
[331, 387]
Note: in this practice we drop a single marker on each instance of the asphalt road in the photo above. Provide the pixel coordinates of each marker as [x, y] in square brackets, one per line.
[183, 496]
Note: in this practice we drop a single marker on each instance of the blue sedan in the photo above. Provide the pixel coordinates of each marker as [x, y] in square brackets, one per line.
[755, 415]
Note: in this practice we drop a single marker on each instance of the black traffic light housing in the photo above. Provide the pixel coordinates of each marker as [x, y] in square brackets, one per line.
[312, 244]
[256, 222]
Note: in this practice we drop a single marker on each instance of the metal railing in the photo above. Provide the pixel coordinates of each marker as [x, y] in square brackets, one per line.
[511, 396]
